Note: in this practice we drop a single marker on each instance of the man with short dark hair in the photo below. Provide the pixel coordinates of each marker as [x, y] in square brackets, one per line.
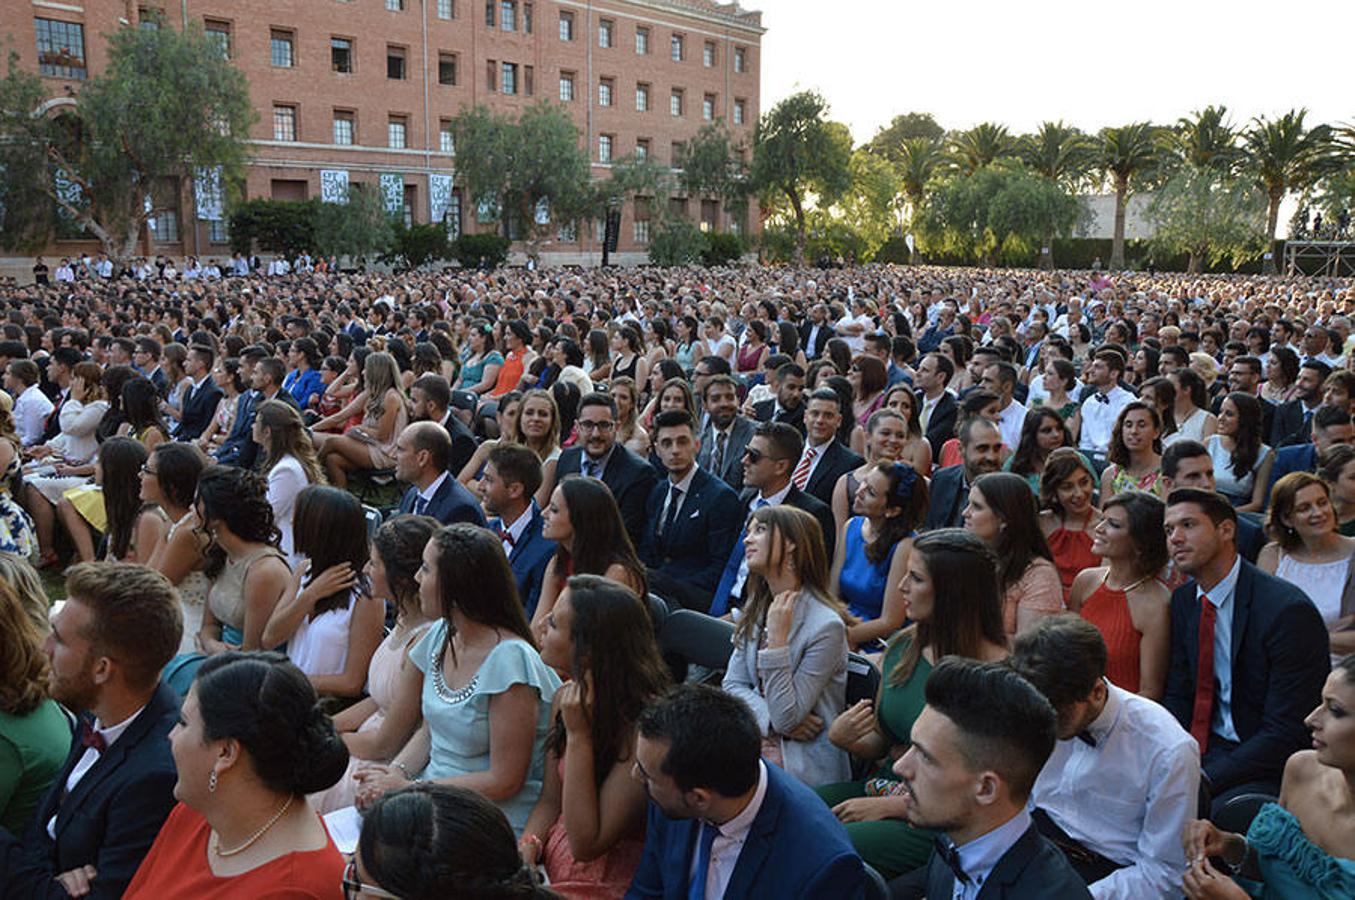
[1123, 780]
[266, 374]
[31, 406]
[201, 397]
[824, 459]
[422, 452]
[1331, 426]
[1249, 652]
[975, 752]
[1104, 405]
[1188, 464]
[430, 399]
[120, 625]
[1245, 375]
[724, 824]
[146, 358]
[938, 409]
[788, 404]
[1294, 420]
[59, 367]
[726, 434]
[981, 445]
[1000, 379]
[692, 518]
[511, 479]
[598, 455]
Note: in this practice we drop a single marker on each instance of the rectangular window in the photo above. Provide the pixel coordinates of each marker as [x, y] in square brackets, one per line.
[605, 148]
[677, 207]
[708, 107]
[446, 139]
[568, 233]
[395, 5]
[341, 54]
[509, 81]
[739, 112]
[219, 36]
[280, 49]
[566, 26]
[642, 41]
[149, 19]
[708, 55]
[675, 103]
[740, 60]
[641, 231]
[284, 123]
[710, 215]
[606, 30]
[508, 15]
[528, 81]
[642, 148]
[446, 9]
[343, 127]
[446, 68]
[526, 18]
[452, 218]
[642, 98]
[489, 13]
[165, 227]
[395, 62]
[605, 92]
[566, 87]
[61, 49]
[396, 129]
[491, 74]
[218, 232]
[675, 48]
[676, 158]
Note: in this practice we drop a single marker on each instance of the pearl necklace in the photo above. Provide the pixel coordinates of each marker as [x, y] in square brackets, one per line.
[255, 836]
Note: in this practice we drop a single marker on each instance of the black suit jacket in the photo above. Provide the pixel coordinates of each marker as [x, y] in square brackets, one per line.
[463, 442]
[1280, 659]
[731, 470]
[766, 412]
[837, 461]
[111, 818]
[451, 503]
[53, 426]
[1287, 425]
[1031, 869]
[199, 405]
[821, 339]
[941, 424]
[629, 478]
[687, 558]
[947, 499]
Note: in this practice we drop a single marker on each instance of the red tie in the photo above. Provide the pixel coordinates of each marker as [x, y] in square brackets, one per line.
[505, 536]
[801, 475]
[1203, 715]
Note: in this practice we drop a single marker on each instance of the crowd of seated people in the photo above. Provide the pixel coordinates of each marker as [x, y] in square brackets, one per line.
[1033, 587]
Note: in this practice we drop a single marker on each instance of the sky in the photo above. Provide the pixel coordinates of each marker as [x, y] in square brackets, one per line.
[1088, 63]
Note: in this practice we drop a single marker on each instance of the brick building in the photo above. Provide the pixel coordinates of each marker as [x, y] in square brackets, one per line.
[363, 92]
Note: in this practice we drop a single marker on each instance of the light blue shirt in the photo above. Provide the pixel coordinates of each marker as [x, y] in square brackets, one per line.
[979, 856]
[1221, 595]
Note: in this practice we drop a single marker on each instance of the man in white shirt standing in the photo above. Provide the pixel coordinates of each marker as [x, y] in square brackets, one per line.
[1102, 408]
[1123, 780]
[1000, 378]
[31, 406]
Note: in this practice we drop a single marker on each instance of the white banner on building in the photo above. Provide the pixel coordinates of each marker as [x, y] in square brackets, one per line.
[439, 196]
[69, 191]
[393, 193]
[334, 185]
[543, 211]
[207, 191]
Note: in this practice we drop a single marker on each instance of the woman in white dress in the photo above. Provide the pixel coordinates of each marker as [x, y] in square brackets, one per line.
[289, 462]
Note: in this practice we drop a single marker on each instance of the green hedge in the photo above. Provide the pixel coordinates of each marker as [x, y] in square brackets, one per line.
[472, 249]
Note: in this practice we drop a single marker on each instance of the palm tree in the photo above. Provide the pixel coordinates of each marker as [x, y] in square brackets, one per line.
[980, 146]
[918, 160]
[1206, 140]
[1060, 153]
[1282, 156]
[1125, 152]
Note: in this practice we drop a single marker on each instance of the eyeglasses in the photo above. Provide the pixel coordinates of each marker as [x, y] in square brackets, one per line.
[147, 470]
[757, 456]
[353, 887]
[584, 425]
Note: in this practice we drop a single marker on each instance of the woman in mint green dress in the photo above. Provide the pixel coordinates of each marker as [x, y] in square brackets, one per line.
[1303, 847]
[486, 695]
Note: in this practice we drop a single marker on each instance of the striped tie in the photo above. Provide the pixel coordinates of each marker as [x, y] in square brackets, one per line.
[801, 475]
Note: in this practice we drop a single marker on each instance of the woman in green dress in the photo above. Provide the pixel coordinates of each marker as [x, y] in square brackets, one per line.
[965, 619]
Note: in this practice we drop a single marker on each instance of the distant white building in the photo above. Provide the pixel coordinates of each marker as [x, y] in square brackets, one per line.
[1100, 223]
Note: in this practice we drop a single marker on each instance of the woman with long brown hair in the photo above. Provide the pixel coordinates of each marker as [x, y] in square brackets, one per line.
[385, 412]
[289, 461]
[1001, 512]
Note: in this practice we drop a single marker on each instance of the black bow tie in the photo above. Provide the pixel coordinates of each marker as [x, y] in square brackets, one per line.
[1102, 398]
[1086, 737]
[950, 855]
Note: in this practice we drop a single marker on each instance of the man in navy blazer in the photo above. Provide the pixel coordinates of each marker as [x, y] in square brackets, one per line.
[981, 444]
[1331, 426]
[692, 519]
[201, 397]
[1270, 654]
[239, 447]
[788, 405]
[598, 455]
[422, 453]
[1188, 464]
[118, 629]
[511, 479]
[746, 827]
[824, 460]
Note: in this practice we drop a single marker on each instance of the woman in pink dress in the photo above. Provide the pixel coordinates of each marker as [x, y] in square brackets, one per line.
[587, 830]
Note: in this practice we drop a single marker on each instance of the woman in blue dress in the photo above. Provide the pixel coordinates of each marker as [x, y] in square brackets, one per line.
[1304, 845]
[486, 694]
[890, 504]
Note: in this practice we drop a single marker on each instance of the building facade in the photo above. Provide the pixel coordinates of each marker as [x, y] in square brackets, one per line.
[362, 92]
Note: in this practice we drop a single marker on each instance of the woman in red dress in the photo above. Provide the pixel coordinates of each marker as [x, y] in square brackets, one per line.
[1068, 513]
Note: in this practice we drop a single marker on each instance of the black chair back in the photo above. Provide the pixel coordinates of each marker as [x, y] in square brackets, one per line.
[876, 886]
[863, 679]
[690, 638]
[1237, 813]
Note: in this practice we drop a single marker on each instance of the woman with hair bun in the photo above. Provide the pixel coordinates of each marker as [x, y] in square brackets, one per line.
[251, 742]
[432, 841]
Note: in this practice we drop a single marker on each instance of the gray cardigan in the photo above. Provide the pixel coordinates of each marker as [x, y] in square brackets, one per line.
[783, 685]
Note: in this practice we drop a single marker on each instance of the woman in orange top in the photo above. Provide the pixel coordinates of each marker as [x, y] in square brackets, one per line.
[517, 338]
[251, 743]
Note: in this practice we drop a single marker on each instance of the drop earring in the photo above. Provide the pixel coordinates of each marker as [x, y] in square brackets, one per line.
[211, 782]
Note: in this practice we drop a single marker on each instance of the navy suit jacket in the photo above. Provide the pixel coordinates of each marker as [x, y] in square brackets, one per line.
[1287, 426]
[691, 554]
[1280, 659]
[949, 494]
[531, 554]
[239, 448]
[766, 412]
[795, 848]
[463, 442]
[451, 503]
[199, 405]
[1298, 458]
[731, 471]
[1031, 869]
[837, 461]
[109, 821]
[627, 476]
[821, 339]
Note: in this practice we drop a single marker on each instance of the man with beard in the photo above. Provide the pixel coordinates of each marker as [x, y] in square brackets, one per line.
[118, 629]
[981, 443]
[726, 434]
[1293, 421]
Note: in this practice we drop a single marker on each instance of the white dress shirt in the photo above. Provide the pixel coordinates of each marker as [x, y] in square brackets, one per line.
[428, 493]
[1129, 797]
[91, 756]
[31, 409]
[819, 450]
[1009, 422]
[980, 856]
[515, 530]
[1221, 595]
[728, 844]
[1098, 418]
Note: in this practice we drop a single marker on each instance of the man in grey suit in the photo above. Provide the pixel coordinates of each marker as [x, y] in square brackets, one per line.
[726, 434]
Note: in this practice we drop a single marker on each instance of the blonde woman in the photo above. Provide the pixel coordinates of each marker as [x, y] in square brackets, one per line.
[289, 462]
[537, 426]
[629, 431]
[370, 445]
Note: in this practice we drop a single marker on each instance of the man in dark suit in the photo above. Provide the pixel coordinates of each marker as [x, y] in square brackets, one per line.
[239, 447]
[598, 455]
[147, 360]
[59, 372]
[512, 478]
[1293, 420]
[937, 409]
[726, 434]
[981, 444]
[201, 397]
[1188, 464]
[1249, 652]
[976, 750]
[824, 460]
[816, 332]
[430, 398]
[767, 463]
[692, 518]
[788, 404]
[745, 828]
[119, 627]
[1331, 426]
[422, 452]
